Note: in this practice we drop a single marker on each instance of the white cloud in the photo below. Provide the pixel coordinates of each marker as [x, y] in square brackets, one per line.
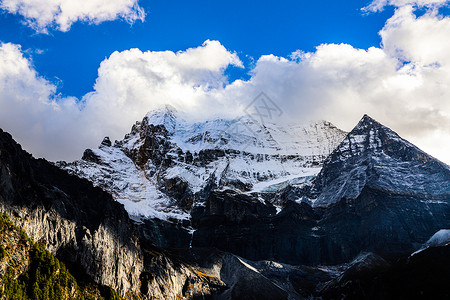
[44, 14]
[132, 82]
[129, 84]
[379, 5]
[405, 84]
[28, 108]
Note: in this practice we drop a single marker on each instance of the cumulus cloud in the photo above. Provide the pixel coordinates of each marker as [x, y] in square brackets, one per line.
[379, 5]
[405, 84]
[61, 14]
[129, 84]
[28, 106]
[132, 82]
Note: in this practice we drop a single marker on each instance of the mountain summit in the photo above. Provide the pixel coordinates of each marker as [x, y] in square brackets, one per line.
[374, 155]
[166, 165]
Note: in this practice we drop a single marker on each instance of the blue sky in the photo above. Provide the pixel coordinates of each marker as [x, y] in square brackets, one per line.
[251, 28]
[72, 72]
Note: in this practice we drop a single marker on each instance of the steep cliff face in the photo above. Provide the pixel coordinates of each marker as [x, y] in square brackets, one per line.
[75, 221]
[28, 271]
[89, 231]
[14, 252]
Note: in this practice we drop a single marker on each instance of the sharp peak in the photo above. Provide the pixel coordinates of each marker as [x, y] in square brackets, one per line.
[366, 119]
[367, 122]
[369, 126]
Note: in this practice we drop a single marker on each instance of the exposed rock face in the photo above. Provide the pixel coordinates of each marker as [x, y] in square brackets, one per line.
[374, 155]
[75, 221]
[166, 165]
[84, 227]
[251, 229]
[168, 280]
[166, 234]
[14, 251]
[376, 192]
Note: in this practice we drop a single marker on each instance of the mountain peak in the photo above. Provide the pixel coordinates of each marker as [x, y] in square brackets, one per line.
[372, 154]
[166, 115]
[368, 122]
[366, 119]
[164, 110]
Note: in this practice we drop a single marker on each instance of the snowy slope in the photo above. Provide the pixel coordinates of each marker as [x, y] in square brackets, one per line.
[163, 166]
[116, 173]
[374, 155]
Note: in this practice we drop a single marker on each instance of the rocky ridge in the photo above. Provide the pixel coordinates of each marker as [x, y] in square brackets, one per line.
[375, 193]
[86, 229]
[166, 165]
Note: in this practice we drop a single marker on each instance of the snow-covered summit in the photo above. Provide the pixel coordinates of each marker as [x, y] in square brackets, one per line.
[374, 155]
[165, 164]
[247, 134]
[166, 115]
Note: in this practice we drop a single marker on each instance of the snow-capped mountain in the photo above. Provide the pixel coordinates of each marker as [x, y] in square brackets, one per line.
[374, 155]
[166, 164]
[376, 192]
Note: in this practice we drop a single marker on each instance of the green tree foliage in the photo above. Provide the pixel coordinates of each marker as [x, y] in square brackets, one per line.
[46, 278]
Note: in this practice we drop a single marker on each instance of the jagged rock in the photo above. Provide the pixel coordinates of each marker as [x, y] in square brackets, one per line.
[168, 280]
[75, 221]
[178, 189]
[106, 142]
[177, 163]
[90, 156]
[89, 231]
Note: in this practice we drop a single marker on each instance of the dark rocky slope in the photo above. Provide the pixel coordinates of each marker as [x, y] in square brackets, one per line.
[80, 224]
[421, 276]
[89, 231]
[376, 192]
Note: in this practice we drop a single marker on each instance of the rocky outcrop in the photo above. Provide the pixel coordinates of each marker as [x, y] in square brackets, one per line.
[14, 251]
[28, 271]
[75, 221]
[89, 231]
[166, 279]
